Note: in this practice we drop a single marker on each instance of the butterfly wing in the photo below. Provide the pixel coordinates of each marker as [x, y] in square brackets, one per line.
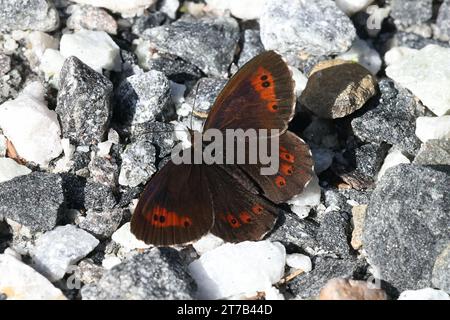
[175, 207]
[259, 96]
[296, 169]
[239, 214]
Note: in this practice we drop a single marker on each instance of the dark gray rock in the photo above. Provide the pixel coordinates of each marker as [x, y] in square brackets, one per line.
[208, 43]
[35, 200]
[334, 232]
[142, 97]
[295, 233]
[104, 170]
[10, 85]
[359, 167]
[251, 46]
[443, 21]
[28, 15]
[407, 13]
[331, 99]
[297, 28]
[147, 21]
[308, 285]
[160, 134]
[88, 195]
[154, 274]
[84, 103]
[102, 224]
[339, 199]
[391, 118]
[175, 68]
[204, 93]
[5, 64]
[406, 224]
[434, 152]
[441, 270]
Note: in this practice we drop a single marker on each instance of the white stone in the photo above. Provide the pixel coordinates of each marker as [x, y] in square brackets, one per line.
[10, 169]
[2, 146]
[424, 294]
[65, 163]
[19, 281]
[32, 128]
[350, 7]
[273, 293]
[393, 158]
[299, 261]
[13, 253]
[364, 54]
[37, 43]
[59, 249]
[94, 48]
[110, 262]
[310, 197]
[127, 8]
[242, 9]
[428, 128]
[170, 8]
[51, 64]
[233, 269]
[426, 73]
[300, 81]
[397, 54]
[207, 243]
[104, 148]
[127, 240]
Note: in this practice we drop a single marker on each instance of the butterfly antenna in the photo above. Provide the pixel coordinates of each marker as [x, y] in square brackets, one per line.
[193, 105]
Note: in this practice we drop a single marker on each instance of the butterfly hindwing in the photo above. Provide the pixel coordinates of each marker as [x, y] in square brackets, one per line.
[175, 207]
[294, 172]
[239, 214]
[259, 96]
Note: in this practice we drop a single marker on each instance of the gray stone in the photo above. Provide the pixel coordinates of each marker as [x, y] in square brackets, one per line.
[84, 103]
[296, 28]
[323, 158]
[208, 43]
[88, 195]
[147, 21]
[91, 18]
[10, 85]
[28, 15]
[5, 64]
[328, 97]
[138, 163]
[204, 94]
[55, 251]
[35, 200]
[251, 46]
[294, 232]
[407, 223]
[102, 224]
[160, 134]
[308, 285]
[413, 41]
[434, 152]
[157, 273]
[390, 119]
[142, 97]
[443, 21]
[407, 13]
[104, 170]
[441, 270]
[334, 232]
[88, 272]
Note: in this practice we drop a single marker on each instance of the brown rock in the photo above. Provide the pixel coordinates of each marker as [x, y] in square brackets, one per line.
[337, 88]
[359, 213]
[343, 289]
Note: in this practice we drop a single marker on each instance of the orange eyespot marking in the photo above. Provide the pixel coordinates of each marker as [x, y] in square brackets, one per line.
[257, 209]
[287, 157]
[280, 181]
[263, 83]
[245, 217]
[287, 169]
[161, 217]
[273, 107]
[234, 223]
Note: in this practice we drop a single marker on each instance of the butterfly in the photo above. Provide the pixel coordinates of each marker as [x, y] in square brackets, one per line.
[183, 202]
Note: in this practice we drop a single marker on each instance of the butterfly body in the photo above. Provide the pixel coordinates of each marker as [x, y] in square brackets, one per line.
[234, 201]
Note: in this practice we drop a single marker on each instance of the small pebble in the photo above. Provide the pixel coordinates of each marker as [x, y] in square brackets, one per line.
[299, 261]
[126, 239]
[428, 128]
[424, 294]
[344, 289]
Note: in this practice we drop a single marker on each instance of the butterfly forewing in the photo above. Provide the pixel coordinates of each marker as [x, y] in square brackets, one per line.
[175, 207]
[259, 96]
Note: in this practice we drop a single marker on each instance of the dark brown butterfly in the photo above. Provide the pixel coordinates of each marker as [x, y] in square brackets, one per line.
[183, 202]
